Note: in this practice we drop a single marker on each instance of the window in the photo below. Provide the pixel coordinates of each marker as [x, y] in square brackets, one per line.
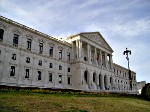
[12, 71]
[40, 63]
[40, 48]
[60, 67]
[68, 69]
[69, 82]
[27, 73]
[85, 59]
[60, 78]
[51, 65]
[68, 56]
[60, 54]
[94, 75]
[15, 40]
[51, 51]
[111, 80]
[29, 41]
[85, 76]
[1, 34]
[50, 77]
[39, 75]
[27, 59]
[14, 56]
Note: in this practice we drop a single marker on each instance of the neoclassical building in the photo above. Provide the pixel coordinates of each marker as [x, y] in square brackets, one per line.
[29, 58]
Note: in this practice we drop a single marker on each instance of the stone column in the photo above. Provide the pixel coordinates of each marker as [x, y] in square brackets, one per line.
[89, 53]
[95, 56]
[102, 82]
[97, 79]
[80, 49]
[106, 61]
[73, 48]
[100, 58]
[90, 79]
[77, 50]
[111, 62]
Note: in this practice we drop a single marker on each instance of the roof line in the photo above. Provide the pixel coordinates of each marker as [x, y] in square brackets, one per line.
[33, 30]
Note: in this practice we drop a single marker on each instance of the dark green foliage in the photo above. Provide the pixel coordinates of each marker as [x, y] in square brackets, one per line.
[146, 91]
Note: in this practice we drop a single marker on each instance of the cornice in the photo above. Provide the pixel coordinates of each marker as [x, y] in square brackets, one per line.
[34, 31]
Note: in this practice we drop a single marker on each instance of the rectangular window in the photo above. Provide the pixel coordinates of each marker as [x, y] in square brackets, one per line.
[60, 67]
[27, 73]
[68, 54]
[29, 41]
[40, 48]
[60, 54]
[40, 63]
[50, 77]
[69, 82]
[15, 40]
[27, 59]
[68, 69]
[51, 51]
[1, 34]
[12, 71]
[14, 56]
[51, 65]
[60, 78]
[39, 75]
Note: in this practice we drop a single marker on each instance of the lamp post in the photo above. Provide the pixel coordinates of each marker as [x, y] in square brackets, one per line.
[127, 52]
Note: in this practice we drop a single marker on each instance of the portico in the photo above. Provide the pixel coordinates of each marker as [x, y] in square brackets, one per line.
[88, 53]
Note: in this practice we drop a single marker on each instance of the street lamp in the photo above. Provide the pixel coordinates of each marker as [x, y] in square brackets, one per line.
[126, 53]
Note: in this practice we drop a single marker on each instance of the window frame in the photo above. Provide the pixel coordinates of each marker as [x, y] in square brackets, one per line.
[29, 43]
[27, 70]
[39, 75]
[27, 59]
[40, 47]
[60, 79]
[12, 70]
[15, 40]
[60, 54]
[60, 67]
[50, 65]
[51, 51]
[50, 77]
[40, 62]
[1, 35]
[14, 56]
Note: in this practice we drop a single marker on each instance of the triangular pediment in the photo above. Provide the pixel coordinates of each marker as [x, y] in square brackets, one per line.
[97, 38]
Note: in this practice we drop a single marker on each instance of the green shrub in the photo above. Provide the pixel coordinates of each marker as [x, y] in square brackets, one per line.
[146, 91]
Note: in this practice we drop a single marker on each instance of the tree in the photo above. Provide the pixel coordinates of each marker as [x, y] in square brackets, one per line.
[146, 92]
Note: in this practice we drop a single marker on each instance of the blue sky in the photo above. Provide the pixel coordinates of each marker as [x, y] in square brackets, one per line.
[123, 23]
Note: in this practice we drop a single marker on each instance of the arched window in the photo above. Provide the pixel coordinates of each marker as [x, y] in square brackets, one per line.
[105, 81]
[110, 80]
[85, 76]
[94, 75]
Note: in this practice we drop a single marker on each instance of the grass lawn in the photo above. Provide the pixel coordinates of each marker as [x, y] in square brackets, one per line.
[38, 102]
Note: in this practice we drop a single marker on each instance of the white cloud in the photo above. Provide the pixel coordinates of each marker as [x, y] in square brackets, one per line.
[132, 28]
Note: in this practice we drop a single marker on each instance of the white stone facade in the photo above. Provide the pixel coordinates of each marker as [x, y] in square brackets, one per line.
[29, 58]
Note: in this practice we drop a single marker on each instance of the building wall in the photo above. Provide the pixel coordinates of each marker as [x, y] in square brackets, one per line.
[85, 64]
